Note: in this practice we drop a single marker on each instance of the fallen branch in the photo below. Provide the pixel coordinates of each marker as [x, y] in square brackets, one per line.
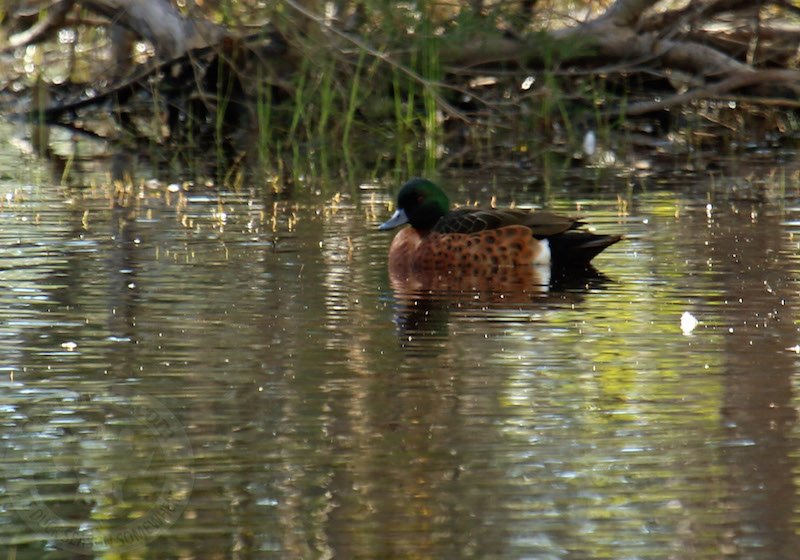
[142, 79]
[56, 15]
[732, 83]
[159, 22]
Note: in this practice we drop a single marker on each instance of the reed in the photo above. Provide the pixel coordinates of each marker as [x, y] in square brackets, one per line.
[352, 103]
[388, 102]
[263, 109]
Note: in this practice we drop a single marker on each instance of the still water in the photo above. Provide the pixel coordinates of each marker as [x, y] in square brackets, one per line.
[206, 374]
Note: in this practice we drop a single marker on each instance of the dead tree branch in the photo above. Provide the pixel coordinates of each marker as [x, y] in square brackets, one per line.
[159, 22]
[732, 83]
[56, 14]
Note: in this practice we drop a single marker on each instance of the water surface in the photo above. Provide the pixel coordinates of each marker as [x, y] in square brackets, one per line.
[210, 374]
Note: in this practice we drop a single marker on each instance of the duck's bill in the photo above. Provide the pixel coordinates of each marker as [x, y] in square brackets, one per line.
[398, 219]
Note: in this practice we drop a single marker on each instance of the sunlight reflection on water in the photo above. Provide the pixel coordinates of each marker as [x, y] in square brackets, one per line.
[330, 410]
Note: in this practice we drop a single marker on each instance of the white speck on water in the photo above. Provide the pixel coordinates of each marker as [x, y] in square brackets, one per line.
[688, 323]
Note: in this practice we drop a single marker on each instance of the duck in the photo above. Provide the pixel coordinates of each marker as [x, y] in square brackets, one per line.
[480, 242]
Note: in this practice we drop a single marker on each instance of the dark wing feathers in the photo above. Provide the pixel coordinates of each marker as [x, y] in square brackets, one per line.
[474, 220]
[577, 248]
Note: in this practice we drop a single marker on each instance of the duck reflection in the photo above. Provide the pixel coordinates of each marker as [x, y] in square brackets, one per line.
[425, 300]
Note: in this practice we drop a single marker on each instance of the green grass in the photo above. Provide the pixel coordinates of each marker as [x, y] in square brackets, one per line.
[385, 104]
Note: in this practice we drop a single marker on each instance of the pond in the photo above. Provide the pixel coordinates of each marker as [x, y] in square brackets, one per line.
[202, 373]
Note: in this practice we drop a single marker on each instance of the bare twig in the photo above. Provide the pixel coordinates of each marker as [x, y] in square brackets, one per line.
[734, 82]
[56, 14]
[627, 12]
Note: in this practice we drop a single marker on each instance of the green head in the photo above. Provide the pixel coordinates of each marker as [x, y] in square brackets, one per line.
[419, 203]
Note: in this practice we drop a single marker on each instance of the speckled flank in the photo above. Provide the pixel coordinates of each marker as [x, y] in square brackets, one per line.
[470, 254]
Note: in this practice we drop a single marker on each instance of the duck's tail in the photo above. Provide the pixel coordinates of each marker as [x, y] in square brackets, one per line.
[576, 248]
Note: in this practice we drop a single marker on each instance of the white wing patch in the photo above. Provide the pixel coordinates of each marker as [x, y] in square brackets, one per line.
[543, 257]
